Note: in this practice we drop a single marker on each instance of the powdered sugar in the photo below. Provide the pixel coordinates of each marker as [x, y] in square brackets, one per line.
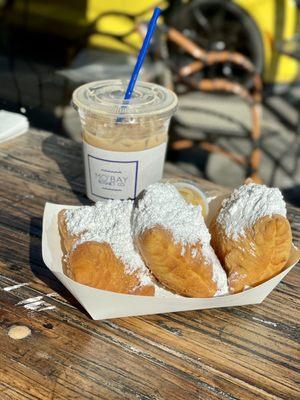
[162, 205]
[161, 291]
[246, 205]
[113, 222]
[219, 275]
[109, 222]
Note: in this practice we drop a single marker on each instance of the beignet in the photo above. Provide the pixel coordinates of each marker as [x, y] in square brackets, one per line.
[251, 235]
[174, 242]
[99, 250]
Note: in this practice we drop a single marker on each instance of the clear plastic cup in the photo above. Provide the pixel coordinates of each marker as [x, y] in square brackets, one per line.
[124, 143]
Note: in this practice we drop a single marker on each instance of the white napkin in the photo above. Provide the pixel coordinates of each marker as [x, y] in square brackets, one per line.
[12, 125]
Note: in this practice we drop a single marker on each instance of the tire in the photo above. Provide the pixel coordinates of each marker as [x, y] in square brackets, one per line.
[228, 27]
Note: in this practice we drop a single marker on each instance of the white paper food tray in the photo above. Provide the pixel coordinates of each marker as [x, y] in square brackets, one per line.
[102, 304]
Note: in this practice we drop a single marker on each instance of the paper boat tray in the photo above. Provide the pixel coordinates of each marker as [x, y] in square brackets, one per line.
[102, 304]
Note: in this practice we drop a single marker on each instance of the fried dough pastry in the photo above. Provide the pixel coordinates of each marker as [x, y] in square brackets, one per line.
[174, 243]
[182, 273]
[67, 240]
[251, 236]
[93, 262]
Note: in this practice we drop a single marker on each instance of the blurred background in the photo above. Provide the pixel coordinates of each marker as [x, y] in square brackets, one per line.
[235, 65]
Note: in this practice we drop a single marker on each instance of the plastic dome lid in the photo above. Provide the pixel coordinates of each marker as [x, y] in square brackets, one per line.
[106, 98]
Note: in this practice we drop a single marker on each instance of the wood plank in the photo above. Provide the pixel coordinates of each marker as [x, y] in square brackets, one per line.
[249, 352]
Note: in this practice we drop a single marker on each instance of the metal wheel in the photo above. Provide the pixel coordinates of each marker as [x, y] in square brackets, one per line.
[217, 25]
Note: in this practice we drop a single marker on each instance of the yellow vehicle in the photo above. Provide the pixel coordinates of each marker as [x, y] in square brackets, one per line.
[252, 27]
[276, 21]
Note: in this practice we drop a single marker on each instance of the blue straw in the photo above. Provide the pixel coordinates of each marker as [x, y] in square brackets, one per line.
[141, 57]
[142, 53]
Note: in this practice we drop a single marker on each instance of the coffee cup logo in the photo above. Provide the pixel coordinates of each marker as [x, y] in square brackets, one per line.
[114, 175]
[111, 180]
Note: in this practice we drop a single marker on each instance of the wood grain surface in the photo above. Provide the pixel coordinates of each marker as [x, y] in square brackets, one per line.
[249, 352]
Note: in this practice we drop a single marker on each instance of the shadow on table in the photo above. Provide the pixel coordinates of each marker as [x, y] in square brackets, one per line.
[68, 157]
[40, 270]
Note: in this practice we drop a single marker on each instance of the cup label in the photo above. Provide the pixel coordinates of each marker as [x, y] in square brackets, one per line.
[121, 175]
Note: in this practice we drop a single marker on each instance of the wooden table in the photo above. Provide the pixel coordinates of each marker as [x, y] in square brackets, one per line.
[235, 353]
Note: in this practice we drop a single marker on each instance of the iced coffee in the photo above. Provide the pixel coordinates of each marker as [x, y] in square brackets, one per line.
[124, 143]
